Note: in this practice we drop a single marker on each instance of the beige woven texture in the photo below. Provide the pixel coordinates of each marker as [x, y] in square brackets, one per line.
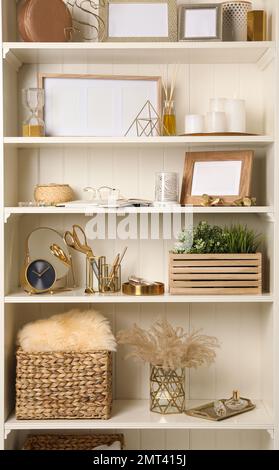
[53, 193]
[64, 385]
[70, 442]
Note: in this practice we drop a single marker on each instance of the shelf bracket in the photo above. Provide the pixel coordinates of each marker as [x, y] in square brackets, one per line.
[11, 59]
[6, 433]
[269, 217]
[7, 215]
[271, 433]
[266, 59]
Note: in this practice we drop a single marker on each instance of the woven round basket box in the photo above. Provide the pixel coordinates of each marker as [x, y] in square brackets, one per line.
[52, 194]
[63, 385]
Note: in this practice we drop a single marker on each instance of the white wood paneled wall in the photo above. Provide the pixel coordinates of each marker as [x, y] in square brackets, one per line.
[245, 330]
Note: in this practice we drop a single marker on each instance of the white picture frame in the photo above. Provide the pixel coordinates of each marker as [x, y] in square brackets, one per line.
[200, 22]
[207, 180]
[96, 105]
[140, 20]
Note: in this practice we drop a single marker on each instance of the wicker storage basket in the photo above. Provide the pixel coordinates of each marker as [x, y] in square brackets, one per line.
[222, 274]
[53, 193]
[64, 385]
[70, 442]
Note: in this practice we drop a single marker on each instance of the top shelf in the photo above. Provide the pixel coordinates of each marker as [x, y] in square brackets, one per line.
[18, 53]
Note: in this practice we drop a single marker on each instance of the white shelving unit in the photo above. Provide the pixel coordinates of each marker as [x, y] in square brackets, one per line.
[247, 326]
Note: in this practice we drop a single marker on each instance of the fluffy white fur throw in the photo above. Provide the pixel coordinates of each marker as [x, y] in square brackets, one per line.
[71, 331]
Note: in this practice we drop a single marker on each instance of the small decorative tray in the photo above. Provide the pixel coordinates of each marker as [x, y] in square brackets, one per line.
[207, 411]
[157, 288]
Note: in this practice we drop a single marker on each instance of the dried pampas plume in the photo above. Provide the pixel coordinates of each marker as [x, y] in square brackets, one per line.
[169, 347]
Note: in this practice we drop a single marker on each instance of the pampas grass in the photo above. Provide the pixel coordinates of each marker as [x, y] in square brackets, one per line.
[169, 347]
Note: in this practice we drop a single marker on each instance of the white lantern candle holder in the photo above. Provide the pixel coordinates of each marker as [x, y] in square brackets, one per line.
[166, 189]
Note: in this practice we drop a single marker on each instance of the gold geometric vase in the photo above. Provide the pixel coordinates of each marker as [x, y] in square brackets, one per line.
[167, 390]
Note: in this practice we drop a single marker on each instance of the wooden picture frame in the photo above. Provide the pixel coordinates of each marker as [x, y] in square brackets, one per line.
[72, 102]
[139, 20]
[213, 170]
[209, 27]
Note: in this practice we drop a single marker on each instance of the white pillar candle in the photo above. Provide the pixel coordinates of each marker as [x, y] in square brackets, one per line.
[216, 122]
[194, 124]
[236, 115]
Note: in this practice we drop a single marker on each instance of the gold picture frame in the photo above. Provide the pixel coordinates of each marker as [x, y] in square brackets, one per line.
[171, 35]
[236, 177]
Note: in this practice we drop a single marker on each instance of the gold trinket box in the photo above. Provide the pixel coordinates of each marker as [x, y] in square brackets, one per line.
[157, 288]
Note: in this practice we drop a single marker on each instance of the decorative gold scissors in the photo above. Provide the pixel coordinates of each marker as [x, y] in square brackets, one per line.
[59, 253]
[77, 241]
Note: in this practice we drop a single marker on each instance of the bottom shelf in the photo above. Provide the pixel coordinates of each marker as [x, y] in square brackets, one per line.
[135, 414]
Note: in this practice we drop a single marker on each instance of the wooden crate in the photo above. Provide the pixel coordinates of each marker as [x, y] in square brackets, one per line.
[217, 274]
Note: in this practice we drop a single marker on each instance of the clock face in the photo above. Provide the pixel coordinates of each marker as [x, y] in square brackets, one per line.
[40, 275]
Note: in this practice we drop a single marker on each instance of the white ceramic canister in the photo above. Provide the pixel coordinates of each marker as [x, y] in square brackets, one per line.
[194, 124]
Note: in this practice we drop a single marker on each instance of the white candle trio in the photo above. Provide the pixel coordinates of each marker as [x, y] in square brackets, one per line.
[225, 115]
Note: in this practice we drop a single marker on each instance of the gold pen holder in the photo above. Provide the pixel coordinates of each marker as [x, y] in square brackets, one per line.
[109, 278]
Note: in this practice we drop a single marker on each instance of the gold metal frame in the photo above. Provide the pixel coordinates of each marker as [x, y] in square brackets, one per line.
[172, 22]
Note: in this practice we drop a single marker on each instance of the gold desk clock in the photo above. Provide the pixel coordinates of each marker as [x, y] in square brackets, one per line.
[46, 262]
[38, 276]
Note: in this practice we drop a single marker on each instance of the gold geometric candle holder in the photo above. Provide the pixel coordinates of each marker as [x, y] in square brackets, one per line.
[167, 390]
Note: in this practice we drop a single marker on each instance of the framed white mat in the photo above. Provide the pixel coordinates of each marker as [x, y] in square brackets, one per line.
[95, 105]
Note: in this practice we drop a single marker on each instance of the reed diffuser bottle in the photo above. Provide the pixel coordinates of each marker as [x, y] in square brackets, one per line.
[169, 119]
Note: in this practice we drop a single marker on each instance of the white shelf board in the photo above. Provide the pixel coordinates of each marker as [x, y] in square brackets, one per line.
[78, 296]
[135, 414]
[18, 53]
[179, 141]
[88, 210]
